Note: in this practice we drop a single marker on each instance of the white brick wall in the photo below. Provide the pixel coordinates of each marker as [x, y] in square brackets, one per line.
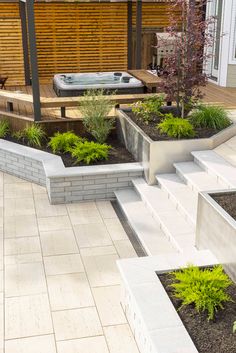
[23, 167]
[66, 185]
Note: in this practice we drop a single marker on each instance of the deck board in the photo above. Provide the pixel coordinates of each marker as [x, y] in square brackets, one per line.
[214, 94]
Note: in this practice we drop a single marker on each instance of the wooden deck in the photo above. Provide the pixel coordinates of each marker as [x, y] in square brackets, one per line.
[222, 96]
[225, 97]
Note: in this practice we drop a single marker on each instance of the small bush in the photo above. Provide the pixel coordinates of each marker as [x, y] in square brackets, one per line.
[95, 109]
[234, 327]
[63, 142]
[4, 128]
[176, 127]
[204, 288]
[89, 152]
[148, 108]
[17, 134]
[208, 116]
[33, 135]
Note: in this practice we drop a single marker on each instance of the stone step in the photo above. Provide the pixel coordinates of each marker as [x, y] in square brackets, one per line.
[228, 151]
[180, 194]
[217, 167]
[175, 226]
[143, 224]
[197, 178]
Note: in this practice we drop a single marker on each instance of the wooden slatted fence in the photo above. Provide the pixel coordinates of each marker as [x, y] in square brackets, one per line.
[75, 37]
[11, 57]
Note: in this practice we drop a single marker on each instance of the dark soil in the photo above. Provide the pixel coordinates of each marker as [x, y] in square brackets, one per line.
[118, 153]
[228, 202]
[208, 336]
[152, 131]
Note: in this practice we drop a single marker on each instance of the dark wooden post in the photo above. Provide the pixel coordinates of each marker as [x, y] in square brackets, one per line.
[139, 34]
[33, 59]
[25, 41]
[130, 34]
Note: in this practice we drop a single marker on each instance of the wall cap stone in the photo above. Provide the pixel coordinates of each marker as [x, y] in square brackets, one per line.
[54, 167]
[149, 304]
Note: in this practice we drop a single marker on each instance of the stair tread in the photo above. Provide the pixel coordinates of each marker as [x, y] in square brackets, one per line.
[196, 177]
[153, 195]
[147, 229]
[185, 199]
[164, 211]
[214, 163]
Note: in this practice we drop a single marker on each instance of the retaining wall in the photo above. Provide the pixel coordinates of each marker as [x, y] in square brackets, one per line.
[66, 185]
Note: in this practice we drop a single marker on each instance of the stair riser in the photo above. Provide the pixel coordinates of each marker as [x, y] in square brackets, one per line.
[146, 249]
[172, 240]
[192, 186]
[153, 214]
[153, 240]
[178, 206]
[218, 178]
[162, 225]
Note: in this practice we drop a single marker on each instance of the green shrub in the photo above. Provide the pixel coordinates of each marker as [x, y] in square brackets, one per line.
[33, 135]
[89, 152]
[18, 135]
[4, 128]
[63, 142]
[234, 327]
[95, 109]
[176, 127]
[204, 288]
[209, 116]
[148, 108]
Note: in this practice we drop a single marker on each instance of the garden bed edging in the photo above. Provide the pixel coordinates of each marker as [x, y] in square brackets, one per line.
[154, 321]
[158, 157]
[65, 185]
[216, 230]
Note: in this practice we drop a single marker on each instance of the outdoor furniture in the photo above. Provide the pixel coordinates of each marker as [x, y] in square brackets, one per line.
[3, 80]
[150, 81]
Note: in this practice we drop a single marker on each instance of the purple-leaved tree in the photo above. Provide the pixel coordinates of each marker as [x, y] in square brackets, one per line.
[190, 34]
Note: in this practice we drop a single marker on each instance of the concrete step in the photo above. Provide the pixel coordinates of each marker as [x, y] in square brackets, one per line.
[217, 167]
[228, 151]
[196, 178]
[180, 194]
[175, 226]
[143, 224]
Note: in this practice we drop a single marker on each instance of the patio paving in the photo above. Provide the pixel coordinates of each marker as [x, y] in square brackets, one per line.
[59, 283]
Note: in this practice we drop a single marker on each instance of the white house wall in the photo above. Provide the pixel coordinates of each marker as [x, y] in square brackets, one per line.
[227, 60]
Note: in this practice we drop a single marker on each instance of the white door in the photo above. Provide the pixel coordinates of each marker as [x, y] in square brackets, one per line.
[215, 9]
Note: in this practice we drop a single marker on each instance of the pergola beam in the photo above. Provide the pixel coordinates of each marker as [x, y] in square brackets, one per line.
[138, 34]
[130, 33]
[25, 42]
[33, 59]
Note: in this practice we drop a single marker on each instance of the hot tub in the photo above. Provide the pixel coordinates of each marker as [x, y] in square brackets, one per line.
[70, 85]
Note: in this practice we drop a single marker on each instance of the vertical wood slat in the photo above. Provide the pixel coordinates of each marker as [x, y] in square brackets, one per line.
[78, 37]
[11, 62]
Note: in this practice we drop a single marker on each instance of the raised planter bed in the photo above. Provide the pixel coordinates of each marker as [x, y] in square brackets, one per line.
[159, 156]
[153, 319]
[118, 153]
[63, 184]
[216, 228]
[207, 335]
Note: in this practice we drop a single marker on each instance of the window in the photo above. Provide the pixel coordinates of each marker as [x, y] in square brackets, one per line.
[234, 47]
